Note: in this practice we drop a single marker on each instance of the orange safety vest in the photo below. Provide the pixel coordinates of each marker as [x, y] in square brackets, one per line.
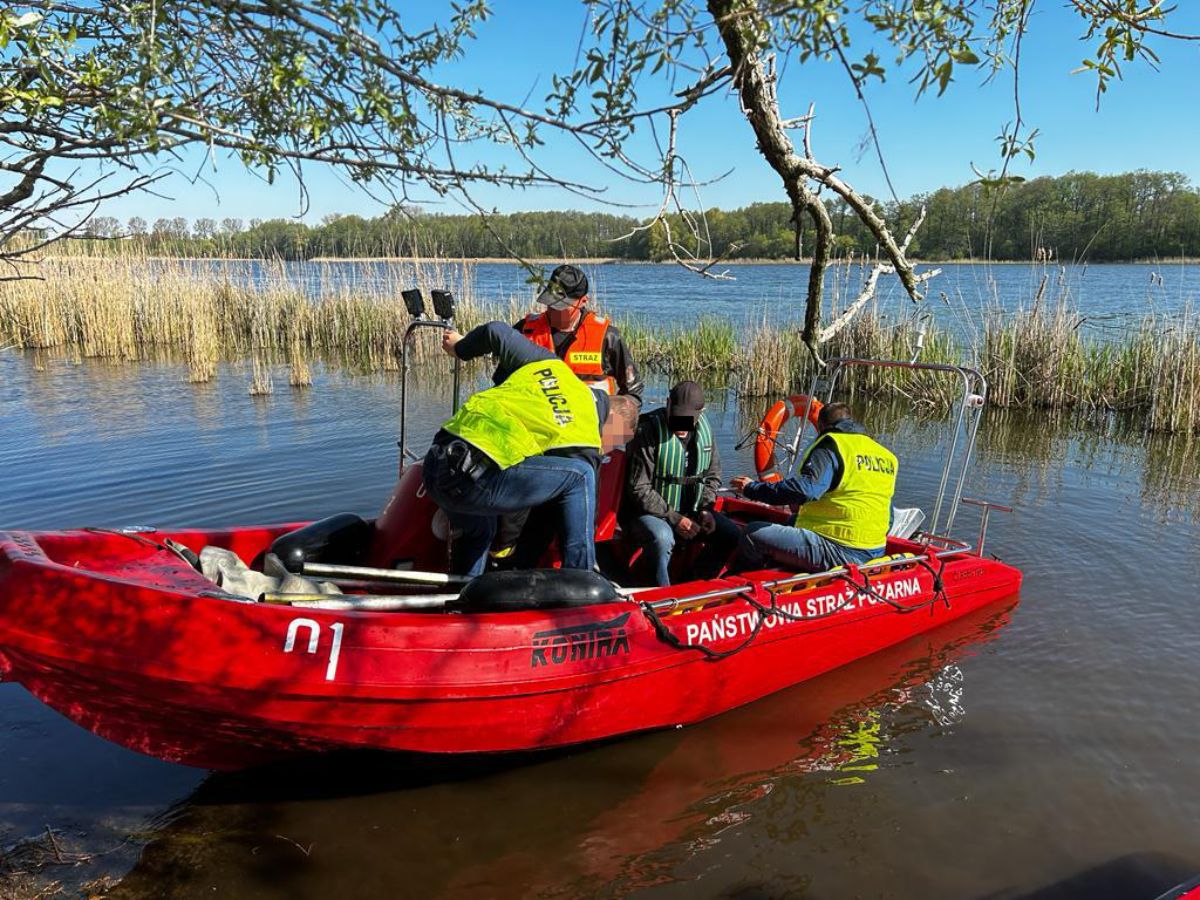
[585, 354]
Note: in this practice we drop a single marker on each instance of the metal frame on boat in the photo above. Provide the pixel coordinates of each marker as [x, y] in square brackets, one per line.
[970, 406]
[443, 303]
[969, 413]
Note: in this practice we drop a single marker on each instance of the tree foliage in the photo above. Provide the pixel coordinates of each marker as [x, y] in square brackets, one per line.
[1074, 218]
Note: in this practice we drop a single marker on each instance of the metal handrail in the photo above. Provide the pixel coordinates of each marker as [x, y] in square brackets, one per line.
[670, 603]
[974, 396]
[987, 506]
[443, 324]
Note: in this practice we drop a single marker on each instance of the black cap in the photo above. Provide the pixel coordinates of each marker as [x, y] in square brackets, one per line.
[566, 285]
[686, 400]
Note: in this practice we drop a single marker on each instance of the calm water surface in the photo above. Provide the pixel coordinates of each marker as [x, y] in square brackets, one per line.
[1029, 746]
[1108, 295]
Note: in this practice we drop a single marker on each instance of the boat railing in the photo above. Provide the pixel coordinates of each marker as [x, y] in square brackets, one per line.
[940, 540]
[444, 308]
[950, 547]
[987, 506]
[962, 439]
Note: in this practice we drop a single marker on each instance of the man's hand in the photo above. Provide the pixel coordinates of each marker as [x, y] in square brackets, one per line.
[739, 482]
[450, 337]
[687, 527]
[708, 522]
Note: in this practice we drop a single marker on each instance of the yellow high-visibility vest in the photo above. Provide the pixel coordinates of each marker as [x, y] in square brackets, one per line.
[857, 512]
[541, 406]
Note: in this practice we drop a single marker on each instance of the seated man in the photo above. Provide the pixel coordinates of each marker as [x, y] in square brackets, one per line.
[844, 489]
[534, 438]
[671, 480]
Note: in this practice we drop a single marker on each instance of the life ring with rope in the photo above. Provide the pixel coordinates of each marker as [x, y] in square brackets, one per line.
[770, 426]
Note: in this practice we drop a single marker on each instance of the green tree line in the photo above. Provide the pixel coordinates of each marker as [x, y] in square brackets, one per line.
[1074, 217]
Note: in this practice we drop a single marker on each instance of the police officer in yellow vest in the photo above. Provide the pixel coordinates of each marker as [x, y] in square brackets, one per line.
[844, 490]
[591, 345]
[535, 438]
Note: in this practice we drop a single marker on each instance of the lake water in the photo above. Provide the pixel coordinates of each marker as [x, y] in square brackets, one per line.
[1047, 744]
[1108, 296]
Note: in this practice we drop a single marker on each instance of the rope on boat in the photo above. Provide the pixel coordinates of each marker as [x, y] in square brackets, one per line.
[755, 591]
[185, 553]
[669, 637]
[776, 610]
[753, 594]
[752, 435]
[866, 589]
[939, 587]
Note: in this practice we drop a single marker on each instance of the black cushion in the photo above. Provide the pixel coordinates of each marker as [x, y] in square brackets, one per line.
[343, 539]
[519, 589]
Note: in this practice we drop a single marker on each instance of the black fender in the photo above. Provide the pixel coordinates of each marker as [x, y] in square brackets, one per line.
[521, 589]
[342, 539]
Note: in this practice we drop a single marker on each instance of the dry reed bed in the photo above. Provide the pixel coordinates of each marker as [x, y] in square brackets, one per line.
[130, 308]
[1040, 359]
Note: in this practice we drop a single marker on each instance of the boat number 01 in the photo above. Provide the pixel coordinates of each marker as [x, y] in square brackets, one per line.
[314, 639]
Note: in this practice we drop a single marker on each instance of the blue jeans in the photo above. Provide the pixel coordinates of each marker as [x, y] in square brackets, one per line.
[569, 485]
[658, 539]
[797, 548]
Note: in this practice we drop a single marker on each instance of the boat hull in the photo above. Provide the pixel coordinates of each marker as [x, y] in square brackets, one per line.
[136, 647]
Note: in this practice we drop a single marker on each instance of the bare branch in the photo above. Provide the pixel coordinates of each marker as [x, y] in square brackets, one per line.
[872, 281]
[693, 262]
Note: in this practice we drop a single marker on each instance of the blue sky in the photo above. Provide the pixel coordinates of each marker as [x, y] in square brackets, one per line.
[1147, 121]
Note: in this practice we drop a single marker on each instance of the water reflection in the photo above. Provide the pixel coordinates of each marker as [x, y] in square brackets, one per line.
[1170, 477]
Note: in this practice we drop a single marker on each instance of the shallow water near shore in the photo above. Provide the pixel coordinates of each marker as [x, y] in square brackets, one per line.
[1024, 747]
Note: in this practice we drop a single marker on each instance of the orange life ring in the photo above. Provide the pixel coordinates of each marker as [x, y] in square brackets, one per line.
[769, 427]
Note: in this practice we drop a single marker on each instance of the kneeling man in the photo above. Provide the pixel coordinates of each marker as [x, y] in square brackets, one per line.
[844, 490]
[535, 438]
[671, 480]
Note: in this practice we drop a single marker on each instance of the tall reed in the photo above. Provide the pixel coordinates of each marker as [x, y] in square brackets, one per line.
[129, 308]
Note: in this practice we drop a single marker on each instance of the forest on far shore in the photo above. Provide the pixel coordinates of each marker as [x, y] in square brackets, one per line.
[1074, 217]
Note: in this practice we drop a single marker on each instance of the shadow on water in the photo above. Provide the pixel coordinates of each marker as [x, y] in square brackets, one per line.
[607, 820]
[1136, 876]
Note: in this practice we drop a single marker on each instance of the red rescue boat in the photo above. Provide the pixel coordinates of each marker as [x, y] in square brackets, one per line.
[120, 632]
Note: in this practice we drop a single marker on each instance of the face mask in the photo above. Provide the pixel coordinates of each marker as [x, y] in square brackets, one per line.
[681, 423]
[561, 301]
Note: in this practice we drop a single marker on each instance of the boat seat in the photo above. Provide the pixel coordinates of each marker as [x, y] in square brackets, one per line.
[608, 495]
[890, 557]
